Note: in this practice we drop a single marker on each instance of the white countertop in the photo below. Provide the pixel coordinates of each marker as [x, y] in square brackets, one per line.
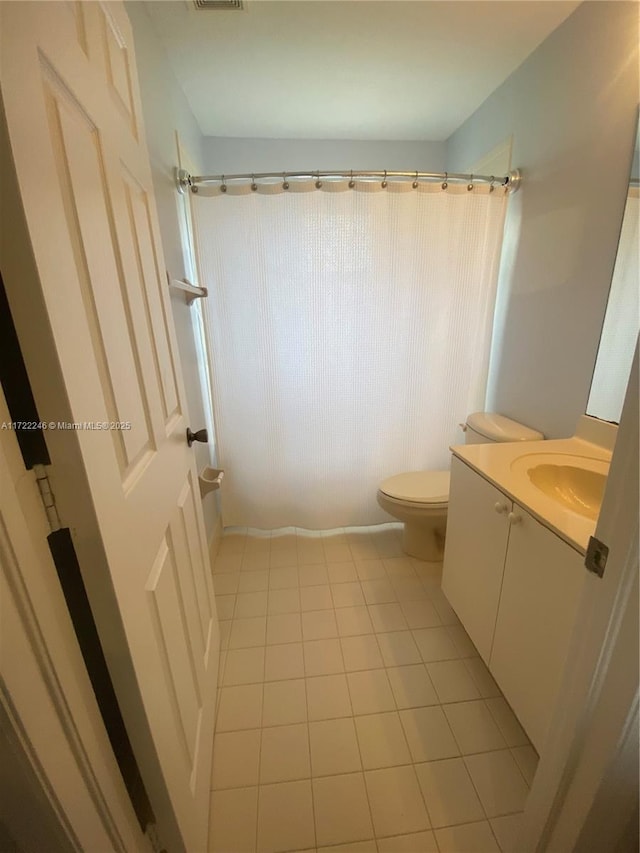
[495, 462]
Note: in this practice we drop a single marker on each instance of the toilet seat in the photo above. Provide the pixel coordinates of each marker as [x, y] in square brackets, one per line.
[429, 488]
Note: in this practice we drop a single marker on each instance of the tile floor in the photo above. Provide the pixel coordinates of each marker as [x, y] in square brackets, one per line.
[354, 712]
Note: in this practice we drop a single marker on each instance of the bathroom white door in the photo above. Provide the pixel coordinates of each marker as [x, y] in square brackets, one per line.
[106, 353]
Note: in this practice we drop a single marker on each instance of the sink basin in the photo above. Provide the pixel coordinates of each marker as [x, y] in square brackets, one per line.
[575, 482]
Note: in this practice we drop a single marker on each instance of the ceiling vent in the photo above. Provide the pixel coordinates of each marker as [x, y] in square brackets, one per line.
[219, 4]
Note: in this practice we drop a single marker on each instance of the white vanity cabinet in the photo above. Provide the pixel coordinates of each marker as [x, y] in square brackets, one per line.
[475, 547]
[515, 586]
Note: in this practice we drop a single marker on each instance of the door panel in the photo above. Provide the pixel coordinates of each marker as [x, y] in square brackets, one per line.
[101, 286]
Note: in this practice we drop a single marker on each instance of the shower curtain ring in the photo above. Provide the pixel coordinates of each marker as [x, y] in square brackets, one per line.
[223, 186]
[470, 184]
[445, 183]
[318, 181]
[254, 186]
[491, 185]
[384, 182]
[415, 182]
[352, 183]
[285, 182]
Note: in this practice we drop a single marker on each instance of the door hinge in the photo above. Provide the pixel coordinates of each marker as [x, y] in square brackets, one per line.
[48, 498]
[152, 835]
[596, 557]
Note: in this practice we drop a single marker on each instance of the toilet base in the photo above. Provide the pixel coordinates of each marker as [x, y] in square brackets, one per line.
[424, 541]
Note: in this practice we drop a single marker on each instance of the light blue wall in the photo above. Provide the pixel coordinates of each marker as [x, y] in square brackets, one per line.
[226, 156]
[571, 107]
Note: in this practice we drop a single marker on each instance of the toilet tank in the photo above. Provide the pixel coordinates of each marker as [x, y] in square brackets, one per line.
[485, 427]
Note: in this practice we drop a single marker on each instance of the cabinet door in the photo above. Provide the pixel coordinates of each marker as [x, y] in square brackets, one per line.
[477, 534]
[543, 578]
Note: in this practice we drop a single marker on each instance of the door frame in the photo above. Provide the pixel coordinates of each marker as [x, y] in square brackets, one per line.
[593, 735]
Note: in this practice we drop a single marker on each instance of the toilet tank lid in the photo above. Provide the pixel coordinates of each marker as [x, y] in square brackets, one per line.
[499, 428]
[418, 486]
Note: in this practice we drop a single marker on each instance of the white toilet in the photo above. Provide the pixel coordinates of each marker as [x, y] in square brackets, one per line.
[420, 498]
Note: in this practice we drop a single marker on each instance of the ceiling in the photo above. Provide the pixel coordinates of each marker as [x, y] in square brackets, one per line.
[306, 69]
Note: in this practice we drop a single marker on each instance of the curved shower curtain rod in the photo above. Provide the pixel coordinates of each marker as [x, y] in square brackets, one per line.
[510, 182]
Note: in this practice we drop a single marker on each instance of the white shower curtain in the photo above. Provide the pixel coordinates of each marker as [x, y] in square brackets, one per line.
[350, 333]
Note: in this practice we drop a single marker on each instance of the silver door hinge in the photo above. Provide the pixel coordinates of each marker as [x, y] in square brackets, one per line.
[596, 557]
[48, 498]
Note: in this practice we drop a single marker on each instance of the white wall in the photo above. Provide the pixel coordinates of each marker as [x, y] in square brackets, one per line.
[166, 111]
[571, 107]
[228, 156]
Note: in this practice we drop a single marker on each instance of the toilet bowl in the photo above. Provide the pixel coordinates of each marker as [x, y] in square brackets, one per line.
[420, 498]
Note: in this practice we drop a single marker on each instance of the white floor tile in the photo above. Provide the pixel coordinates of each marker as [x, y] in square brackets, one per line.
[507, 832]
[361, 653]
[225, 606]
[370, 692]
[257, 581]
[234, 815]
[462, 641]
[251, 604]
[323, 657]
[420, 614]
[328, 697]
[428, 734]
[449, 792]
[370, 569]
[336, 554]
[316, 597]
[284, 628]
[452, 681]
[471, 836]
[425, 842]
[319, 625]
[387, 617]
[445, 610]
[498, 781]
[412, 591]
[285, 818]
[396, 801]
[334, 747]
[435, 644]
[227, 563]
[281, 558]
[382, 741]
[244, 666]
[239, 708]
[482, 677]
[284, 702]
[284, 755]
[347, 594]
[313, 575]
[342, 571]
[253, 561]
[226, 583]
[283, 601]
[473, 727]
[352, 847]
[353, 621]
[246, 633]
[398, 648]
[236, 759]
[512, 731]
[378, 591]
[283, 662]
[412, 687]
[527, 760]
[341, 809]
[283, 578]
[399, 567]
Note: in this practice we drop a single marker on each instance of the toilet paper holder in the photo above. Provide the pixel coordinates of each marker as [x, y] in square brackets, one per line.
[210, 479]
